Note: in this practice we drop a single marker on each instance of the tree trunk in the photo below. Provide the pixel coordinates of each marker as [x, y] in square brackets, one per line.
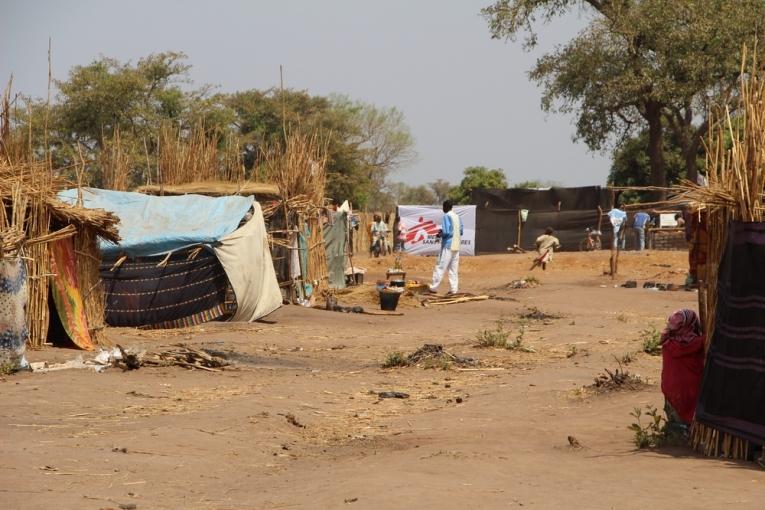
[656, 149]
[691, 169]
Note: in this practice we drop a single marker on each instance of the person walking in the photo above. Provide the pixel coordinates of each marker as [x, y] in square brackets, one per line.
[639, 224]
[618, 217]
[449, 258]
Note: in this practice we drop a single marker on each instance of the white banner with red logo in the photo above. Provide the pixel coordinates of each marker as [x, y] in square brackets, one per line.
[419, 224]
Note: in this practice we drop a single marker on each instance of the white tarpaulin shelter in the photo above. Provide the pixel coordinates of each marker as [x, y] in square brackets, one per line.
[420, 224]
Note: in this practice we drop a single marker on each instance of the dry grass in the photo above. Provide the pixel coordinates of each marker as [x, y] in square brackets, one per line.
[213, 188]
[194, 156]
[32, 216]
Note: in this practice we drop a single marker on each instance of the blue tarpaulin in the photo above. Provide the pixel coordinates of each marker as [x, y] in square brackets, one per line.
[151, 225]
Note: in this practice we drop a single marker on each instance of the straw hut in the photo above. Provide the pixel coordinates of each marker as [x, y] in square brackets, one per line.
[730, 246]
[298, 170]
[59, 244]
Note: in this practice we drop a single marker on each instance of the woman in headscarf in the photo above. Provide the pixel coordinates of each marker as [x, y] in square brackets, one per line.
[682, 351]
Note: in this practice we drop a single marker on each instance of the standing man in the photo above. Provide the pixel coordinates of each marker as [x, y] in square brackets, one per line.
[449, 257]
[639, 224]
[618, 218]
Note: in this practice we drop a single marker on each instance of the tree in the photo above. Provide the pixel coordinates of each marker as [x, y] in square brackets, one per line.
[378, 142]
[535, 183]
[108, 99]
[630, 165]
[476, 177]
[638, 65]
[364, 143]
[417, 195]
[440, 188]
[107, 95]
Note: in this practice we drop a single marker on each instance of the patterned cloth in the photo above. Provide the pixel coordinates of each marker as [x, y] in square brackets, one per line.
[13, 304]
[731, 397]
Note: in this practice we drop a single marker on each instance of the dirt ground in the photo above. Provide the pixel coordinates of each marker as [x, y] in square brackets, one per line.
[488, 436]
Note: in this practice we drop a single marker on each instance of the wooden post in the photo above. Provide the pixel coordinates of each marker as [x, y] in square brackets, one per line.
[600, 217]
[518, 238]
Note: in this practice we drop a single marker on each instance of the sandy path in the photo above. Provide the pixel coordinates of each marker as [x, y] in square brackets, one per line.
[221, 440]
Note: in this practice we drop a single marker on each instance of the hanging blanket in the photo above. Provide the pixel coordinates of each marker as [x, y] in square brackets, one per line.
[733, 388]
[66, 293]
[183, 292]
[13, 319]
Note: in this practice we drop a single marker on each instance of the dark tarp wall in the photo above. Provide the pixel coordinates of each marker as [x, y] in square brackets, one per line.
[497, 230]
[571, 199]
[180, 293]
[497, 216]
[733, 388]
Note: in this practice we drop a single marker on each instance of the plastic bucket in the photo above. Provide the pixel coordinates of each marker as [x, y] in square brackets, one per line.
[389, 300]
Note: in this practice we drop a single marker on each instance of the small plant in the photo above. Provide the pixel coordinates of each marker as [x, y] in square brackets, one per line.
[395, 359]
[652, 434]
[499, 337]
[573, 351]
[517, 344]
[651, 341]
[627, 358]
[7, 368]
[621, 317]
[496, 337]
[532, 281]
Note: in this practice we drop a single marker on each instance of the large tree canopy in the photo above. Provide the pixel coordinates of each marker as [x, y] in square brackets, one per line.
[475, 177]
[108, 102]
[638, 65]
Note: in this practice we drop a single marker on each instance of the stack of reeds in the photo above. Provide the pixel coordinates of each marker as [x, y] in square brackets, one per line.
[31, 216]
[115, 163]
[736, 172]
[298, 168]
[186, 156]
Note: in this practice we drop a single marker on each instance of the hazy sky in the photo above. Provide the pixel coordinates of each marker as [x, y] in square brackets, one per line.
[466, 97]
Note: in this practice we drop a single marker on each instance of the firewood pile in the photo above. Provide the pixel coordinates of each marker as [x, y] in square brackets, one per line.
[187, 357]
[431, 300]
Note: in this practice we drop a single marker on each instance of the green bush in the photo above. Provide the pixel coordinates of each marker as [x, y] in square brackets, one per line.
[395, 359]
[652, 434]
[651, 340]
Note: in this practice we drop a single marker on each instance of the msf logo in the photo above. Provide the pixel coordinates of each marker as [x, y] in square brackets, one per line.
[421, 231]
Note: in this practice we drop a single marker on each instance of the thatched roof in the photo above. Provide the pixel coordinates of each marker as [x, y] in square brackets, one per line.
[99, 222]
[214, 188]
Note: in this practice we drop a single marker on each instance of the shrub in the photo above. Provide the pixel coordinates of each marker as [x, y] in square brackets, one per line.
[651, 340]
[395, 359]
[652, 434]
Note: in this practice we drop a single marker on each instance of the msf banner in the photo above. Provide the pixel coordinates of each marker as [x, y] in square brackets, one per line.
[419, 225]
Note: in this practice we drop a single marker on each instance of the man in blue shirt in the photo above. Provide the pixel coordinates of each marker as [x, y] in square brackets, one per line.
[641, 220]
[449, 258]
[618, 217]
